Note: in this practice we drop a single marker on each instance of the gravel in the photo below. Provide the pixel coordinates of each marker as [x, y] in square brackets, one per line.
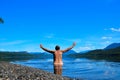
[9, 71]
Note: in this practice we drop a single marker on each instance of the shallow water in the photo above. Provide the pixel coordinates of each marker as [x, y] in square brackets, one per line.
[79, 68]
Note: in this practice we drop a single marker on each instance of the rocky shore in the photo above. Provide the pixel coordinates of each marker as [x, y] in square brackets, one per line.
[9, 71]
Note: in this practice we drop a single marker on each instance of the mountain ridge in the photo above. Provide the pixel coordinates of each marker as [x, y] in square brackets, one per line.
[113, 45]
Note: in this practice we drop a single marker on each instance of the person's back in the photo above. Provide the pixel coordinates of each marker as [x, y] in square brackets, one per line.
[58, 57]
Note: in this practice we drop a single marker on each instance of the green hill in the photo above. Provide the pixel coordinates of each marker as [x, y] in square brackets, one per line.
[100, 54]
[13, 56]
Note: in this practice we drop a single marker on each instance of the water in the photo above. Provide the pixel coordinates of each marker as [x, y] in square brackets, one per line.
[79, 68]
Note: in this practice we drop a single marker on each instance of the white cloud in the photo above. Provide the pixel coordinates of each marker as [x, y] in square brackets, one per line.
[104, 38]
[50, 36]
[74, 40]
[2, 50]
[105, 29]
[115, 29]
[84, 48]
[32, 49]
[77, 40]
[106, 42]
[13, 42]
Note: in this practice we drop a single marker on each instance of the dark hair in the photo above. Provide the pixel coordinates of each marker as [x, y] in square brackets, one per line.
[57, 47]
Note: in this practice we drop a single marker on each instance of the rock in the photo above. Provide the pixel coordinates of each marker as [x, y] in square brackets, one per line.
[9, 71]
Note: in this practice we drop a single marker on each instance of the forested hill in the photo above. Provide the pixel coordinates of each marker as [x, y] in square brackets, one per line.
[13, 56]
[100, 54]
[113, 45]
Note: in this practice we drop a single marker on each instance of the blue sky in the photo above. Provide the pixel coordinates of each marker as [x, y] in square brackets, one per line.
[92, 24]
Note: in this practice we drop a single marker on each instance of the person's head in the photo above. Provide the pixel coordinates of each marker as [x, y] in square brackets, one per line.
[57, 47]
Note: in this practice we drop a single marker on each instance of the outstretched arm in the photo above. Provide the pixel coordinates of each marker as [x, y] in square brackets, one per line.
[50, 51]
[69, 48]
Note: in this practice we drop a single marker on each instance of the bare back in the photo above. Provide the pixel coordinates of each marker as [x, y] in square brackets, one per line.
[58, 57]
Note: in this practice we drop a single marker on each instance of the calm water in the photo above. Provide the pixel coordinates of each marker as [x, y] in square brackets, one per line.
[79, 68]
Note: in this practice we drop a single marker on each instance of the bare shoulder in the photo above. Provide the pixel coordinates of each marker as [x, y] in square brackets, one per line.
[59, 51]
[62, 51]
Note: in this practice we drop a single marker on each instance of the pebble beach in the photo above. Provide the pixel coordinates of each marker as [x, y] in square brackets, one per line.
[9, 71]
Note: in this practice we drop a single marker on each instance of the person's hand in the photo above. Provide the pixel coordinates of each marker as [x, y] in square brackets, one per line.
[74, 43]
[40, 45]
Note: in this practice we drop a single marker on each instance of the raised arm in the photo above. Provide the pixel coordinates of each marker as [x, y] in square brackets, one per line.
[50, 51]
[69, 48]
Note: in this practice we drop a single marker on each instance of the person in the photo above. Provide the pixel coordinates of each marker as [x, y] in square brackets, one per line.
[57, 55]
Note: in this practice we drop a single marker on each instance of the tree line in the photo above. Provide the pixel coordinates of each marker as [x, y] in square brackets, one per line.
[100, 54]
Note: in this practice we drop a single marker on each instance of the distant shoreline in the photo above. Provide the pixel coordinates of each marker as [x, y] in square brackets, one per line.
[9, 71]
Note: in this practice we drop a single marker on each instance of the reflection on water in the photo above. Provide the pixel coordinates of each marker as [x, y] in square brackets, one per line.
[79, 68]
[58, 69]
